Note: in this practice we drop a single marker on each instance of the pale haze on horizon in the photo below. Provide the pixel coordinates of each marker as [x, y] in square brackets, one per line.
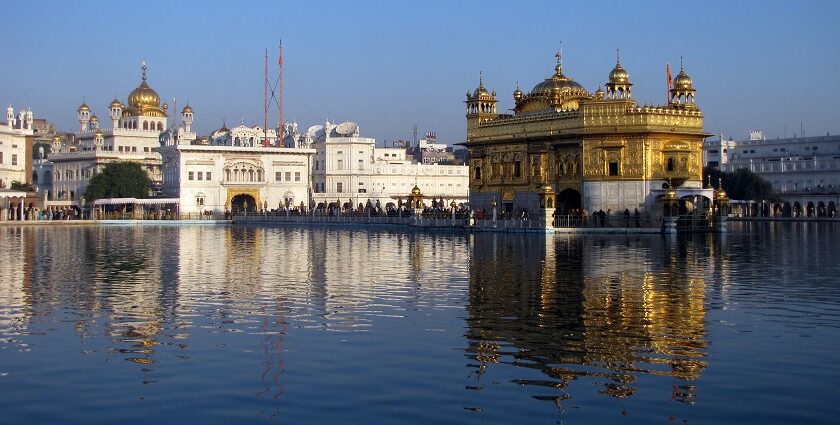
[389, 66]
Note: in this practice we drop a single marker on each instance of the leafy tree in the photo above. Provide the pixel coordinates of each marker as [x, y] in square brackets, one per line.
[47, 150]
[119, 180]
[23, 187]
[743, 184]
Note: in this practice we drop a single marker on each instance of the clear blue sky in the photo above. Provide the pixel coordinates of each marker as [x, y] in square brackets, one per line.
[390, 65]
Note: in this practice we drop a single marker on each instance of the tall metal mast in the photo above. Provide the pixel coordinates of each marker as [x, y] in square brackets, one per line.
[280, 129]
[265, 101]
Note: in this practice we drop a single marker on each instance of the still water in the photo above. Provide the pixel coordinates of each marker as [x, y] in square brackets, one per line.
[218, 324]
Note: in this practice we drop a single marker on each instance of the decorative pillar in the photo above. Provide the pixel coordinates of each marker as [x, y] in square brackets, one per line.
[721, 203]
[669, 201]
[494, 204]
[547, 204]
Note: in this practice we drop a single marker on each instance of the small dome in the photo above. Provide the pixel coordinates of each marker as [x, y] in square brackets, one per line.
[415, 190]
[116, 104]
[83, 107]
[480, 90]
[682, 81]
[599, 94]
[517, 94]
[720, 195]
[98, 133]
[187, 109]
[93, 118]
[619, 75]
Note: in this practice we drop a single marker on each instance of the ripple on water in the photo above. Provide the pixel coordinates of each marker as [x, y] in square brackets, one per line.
[204, 323]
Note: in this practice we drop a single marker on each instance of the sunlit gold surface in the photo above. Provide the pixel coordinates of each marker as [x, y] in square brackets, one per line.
[561, 134]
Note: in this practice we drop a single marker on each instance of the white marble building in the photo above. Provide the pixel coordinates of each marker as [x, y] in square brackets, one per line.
[133, 136]
[804, 171]
[230, 175]
[14, 161]
[351, 169]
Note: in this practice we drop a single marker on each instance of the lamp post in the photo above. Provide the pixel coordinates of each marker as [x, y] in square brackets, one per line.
[494, 204]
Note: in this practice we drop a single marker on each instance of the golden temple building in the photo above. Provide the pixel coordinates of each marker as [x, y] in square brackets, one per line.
[564, 148]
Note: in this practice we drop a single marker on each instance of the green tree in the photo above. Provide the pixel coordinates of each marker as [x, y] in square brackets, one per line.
[119, 180]
[23, 187]
[743, 184]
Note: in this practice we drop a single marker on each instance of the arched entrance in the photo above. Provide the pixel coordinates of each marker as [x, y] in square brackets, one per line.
[568, 200]
[243, 202]
[289, 199]
[832, 209]
[810, 210]
[786, 209]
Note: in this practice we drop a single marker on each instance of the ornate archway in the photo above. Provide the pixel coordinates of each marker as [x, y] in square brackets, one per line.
[568, 200]
[243, 202]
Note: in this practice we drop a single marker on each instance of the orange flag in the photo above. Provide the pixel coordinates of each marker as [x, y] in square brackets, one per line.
[668, 72]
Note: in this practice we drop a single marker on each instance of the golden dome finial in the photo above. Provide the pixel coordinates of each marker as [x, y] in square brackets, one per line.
[682, 63]
[144, 70]
[559, 55]
[617, 56]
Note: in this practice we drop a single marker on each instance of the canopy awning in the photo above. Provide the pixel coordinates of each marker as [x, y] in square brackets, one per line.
[8, 193]
[135, 201]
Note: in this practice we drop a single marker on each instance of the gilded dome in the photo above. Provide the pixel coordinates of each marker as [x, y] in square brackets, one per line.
[619, 75]
[84, 108]
[682, 81]
[187, 109]
[480, 91]
[143, 95]
[415, 191]
[557, 83]
[116, 104]
[93, 118]
[517, 94]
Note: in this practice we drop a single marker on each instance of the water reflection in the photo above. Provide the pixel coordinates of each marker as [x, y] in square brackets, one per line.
[609, 309]
[273, 322]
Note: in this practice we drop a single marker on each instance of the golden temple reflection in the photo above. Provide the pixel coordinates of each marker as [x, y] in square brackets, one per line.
[571, 305]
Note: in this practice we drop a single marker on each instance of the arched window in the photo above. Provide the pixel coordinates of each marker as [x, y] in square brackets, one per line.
[478, 173]
[160, 126]
[145, 125]
[670, 165]
[227, 175]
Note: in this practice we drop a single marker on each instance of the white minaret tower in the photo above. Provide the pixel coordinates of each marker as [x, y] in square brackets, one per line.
[187, 118]
[28, 119]
[10, 116]
[84, 116]
[116, 112]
